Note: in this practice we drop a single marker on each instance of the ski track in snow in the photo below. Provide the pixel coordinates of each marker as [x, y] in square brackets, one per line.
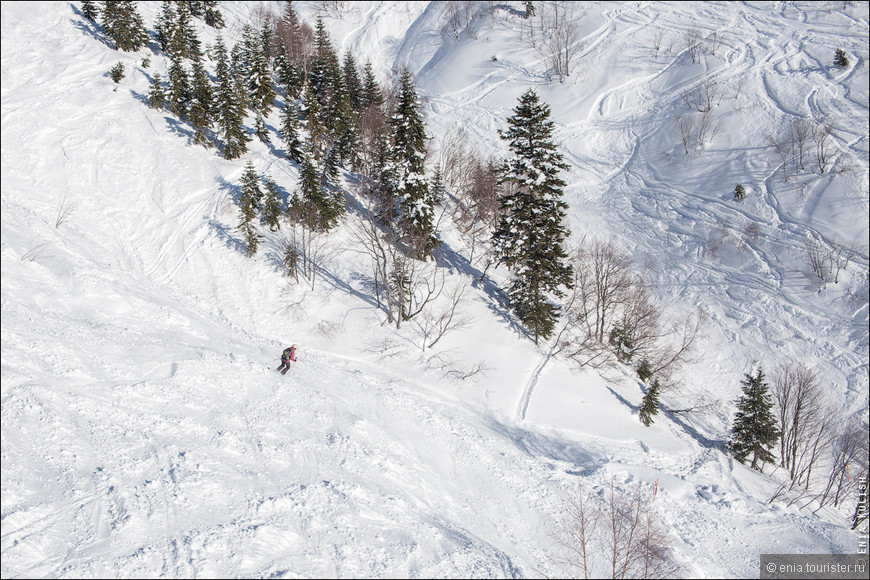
[146, 433]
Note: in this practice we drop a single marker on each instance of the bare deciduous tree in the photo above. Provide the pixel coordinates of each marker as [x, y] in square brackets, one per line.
[801, 131]
[783, 151]
[684, 126]
[806, 421]
[821, 137]
[624, 527]
[694, 43]
[708, 127]
[561, 37]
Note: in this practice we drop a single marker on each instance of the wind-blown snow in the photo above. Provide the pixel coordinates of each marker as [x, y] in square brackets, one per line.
[145, 432]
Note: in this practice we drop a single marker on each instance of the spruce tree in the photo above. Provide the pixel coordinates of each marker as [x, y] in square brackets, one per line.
[352, 83]
[179, 87]
[124, 25]
[840, 59]
[290, 132]
[90, 10]
[212, 15]
[371, 90]
[165, 25]
[415, 204]
[271, 205]
[755, 428]
[649, 406]
[249, 203]
[739, 192]
[530, 233]
[156, 93]
[229, 112]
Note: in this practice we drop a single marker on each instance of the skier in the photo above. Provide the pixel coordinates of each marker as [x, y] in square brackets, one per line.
[288, 355]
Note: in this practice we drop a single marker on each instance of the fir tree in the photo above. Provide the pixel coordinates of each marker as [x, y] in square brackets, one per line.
[165, 25]
[739, 192]
[250, 185]
[124, 25]
[271, 205]
[229, 113]
[179, 88]
[90, 10]
[212, 15]
[249, 203]
[755, 428]
[416, 206]
[371, 90]
[290, 132]
[650, 404]
[156, 93]
[530, 234]
[261, 90]
[117, 72]
[840, 59]
[352, 84]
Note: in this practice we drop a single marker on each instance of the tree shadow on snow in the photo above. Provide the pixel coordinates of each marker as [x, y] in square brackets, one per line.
[536, 444]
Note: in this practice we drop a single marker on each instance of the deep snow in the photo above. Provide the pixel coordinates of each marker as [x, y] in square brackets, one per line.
[145, 433]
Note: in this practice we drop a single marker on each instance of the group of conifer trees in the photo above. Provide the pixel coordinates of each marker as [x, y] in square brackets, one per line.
[335, 115]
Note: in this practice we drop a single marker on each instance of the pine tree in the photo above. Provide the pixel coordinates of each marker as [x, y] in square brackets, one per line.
[229, 113]
[650, 404]
[212, 14]
[179, 88]
[739, 192]
[261, 89]
[840, 59]
[371, 90]
[290, 132]
[249, 203]
[530, 233]
[352, 83]
[90, 10]
[124, 25]
[165, 25]
[156, 93]
[416, 205]
[271, 205]
[755, 428]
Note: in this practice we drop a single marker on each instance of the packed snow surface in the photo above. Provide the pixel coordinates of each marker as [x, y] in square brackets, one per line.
[145, 432]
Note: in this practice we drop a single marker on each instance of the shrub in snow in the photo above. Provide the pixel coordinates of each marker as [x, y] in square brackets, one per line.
[739, 192]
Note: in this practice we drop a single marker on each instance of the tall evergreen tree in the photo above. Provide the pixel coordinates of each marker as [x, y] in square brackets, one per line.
[290, 132]
[229, 113]
[755, 429]
[352, 83]
[124, 25]
[248, 206]
[649, 406]
[530, 232]
[90, 10]
[271, 205]
[212, 15]
[416, 205]
[156, 93]
[371, 90]
[165, 25]
[179, 87]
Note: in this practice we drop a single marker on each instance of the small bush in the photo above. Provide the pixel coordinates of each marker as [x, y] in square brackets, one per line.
[117, 72]
[840, 59]
[739, 192]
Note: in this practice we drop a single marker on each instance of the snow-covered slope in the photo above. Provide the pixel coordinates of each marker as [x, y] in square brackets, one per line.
[145, 433]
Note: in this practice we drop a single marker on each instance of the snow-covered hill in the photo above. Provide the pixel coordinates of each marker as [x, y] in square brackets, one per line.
[145, 433]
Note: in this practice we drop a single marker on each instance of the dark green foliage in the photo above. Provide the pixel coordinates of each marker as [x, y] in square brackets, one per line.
[90, 10]
[530, 233]
[755, 429]
[352, 82]
[649, 406]
[157, 93]
[250, 185]
[248, 205]
[229, 112]
[271, 206]
[644, 370]
[212, 15]
[371, 90]
[117, 72]
[840, 59]
[317, 205]
[739, 192]
[165, 25]
[179, 88]
[290, 132]
[124, 25]
[416, 205]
